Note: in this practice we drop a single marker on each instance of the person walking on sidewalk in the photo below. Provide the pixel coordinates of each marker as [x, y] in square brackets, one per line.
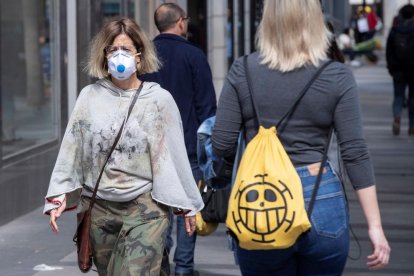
[292, 44]
[400, 64]
[185, 73]
[148, 171]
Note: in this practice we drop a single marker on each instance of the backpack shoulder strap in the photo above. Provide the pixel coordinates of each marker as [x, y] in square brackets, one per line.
[250, 89]
[296, 101]
[319, 177]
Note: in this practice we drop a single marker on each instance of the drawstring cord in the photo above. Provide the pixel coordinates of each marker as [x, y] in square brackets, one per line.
[342, 178]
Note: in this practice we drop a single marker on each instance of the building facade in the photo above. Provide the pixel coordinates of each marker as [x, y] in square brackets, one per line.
[44, 46]
[33, 90]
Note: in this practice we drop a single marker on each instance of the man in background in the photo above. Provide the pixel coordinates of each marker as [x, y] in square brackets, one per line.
[185, 73]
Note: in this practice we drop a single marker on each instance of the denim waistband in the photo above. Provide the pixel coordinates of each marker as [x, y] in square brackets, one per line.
[304, 170]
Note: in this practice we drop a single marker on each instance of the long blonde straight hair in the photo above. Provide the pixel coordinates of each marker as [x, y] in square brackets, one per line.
[292, 33]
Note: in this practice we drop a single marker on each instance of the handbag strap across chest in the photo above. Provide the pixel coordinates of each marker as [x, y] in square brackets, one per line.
[118, 136]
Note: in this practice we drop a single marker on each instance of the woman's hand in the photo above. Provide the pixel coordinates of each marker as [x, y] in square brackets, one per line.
[190, 225]
[381, 250]
[55, 214]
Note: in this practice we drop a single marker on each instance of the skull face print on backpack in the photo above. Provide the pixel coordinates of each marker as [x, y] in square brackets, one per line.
[266, 207]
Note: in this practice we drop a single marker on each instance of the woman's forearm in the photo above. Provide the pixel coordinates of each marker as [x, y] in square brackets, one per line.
[369, 202]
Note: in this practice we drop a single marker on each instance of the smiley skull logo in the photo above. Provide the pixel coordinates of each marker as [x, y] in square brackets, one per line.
[263, 209]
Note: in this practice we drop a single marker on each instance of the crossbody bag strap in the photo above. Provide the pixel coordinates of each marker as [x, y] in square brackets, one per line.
[118, 136]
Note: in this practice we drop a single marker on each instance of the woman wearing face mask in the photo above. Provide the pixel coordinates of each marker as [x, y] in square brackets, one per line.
[147, 172]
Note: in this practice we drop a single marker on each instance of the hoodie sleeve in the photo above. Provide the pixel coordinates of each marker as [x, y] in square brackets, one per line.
[67, 175]
[173, 181]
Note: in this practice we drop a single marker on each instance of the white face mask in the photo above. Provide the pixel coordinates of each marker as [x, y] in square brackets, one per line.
[121, 65]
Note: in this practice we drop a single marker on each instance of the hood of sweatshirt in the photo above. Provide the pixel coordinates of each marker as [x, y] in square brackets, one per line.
[115, 90]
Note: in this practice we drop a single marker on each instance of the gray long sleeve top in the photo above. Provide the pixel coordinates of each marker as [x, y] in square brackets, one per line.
[332, 100]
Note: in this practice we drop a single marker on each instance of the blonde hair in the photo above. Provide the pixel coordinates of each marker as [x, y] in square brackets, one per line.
[292, 33]
[97, 63]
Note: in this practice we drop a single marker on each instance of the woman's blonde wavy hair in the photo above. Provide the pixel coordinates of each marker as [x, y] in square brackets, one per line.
[292, 33]
[97, 63]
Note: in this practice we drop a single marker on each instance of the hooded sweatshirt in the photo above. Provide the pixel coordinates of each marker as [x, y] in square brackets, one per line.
[150, 155]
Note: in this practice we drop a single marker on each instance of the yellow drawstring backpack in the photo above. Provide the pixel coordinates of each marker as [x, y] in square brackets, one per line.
[266, 207]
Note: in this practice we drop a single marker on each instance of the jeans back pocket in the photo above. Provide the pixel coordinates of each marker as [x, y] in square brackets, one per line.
[330, 214]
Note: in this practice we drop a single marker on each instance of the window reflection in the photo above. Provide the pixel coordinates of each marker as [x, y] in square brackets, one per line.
[256, 7]
[229, 33]
[197, 27]
[27, 98]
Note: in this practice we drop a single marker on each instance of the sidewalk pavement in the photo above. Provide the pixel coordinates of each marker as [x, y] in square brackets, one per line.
[27, 242]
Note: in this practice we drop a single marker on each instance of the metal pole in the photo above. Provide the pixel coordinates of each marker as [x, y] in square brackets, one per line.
[124, 8]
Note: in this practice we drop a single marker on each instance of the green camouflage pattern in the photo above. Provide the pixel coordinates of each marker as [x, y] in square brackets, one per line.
[128, 237]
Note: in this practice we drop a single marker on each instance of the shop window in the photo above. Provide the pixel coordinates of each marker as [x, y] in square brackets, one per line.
[197, 28]
[256, 7]
[27, 91]
[112, 9]
[230, 33]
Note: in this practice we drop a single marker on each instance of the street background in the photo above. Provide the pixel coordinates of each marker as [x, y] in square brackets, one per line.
[27, 241]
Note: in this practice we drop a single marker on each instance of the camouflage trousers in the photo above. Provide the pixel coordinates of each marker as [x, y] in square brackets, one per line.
[128, 237]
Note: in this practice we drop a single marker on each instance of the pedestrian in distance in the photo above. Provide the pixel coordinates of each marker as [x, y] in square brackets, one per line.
[346, 45]
[148, 172]
[400, 64]
[292, 43]
[185, 73]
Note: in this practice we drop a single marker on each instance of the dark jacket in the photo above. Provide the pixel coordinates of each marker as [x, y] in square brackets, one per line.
[400, 47]
[186, 74]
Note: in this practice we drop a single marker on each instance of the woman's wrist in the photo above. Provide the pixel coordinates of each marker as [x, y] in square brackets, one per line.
[376, 227]
[179, 211]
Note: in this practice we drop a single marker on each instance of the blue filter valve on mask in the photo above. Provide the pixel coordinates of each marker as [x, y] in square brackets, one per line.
[121, 65]
[120, 68]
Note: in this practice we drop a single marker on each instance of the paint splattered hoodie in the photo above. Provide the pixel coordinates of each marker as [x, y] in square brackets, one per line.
[150, 155]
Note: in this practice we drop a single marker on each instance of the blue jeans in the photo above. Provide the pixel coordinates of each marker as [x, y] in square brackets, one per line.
[184, 252]
[401, 81]
[321, 251]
